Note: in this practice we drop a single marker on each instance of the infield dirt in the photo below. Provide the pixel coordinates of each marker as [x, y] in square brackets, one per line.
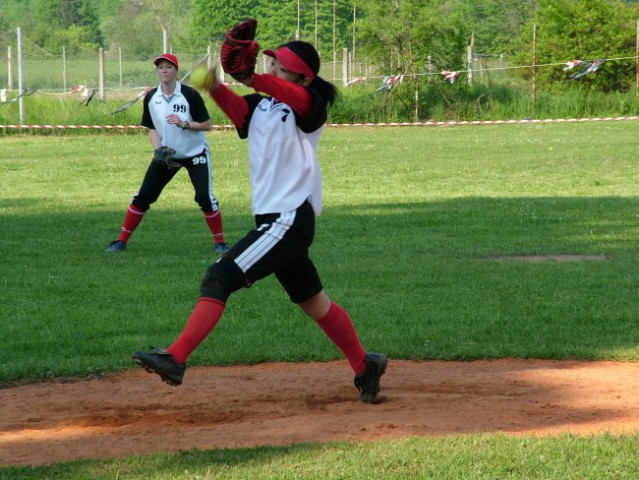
[283, 403]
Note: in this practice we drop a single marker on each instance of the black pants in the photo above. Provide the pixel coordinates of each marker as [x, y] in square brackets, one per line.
[157, 177]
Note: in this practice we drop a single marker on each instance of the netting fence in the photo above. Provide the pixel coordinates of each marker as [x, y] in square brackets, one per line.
[111, 75]
[26, 67]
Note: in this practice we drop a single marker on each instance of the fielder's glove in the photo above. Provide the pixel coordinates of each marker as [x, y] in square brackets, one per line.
[164, 157]
[239, 50]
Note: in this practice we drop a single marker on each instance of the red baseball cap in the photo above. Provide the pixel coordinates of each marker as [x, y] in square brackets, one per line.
[169, 58]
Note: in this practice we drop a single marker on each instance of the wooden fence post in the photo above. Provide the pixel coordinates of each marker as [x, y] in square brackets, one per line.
[10, 68]
[469, 59]
[65, 87]
[416, 77]
[345, 66]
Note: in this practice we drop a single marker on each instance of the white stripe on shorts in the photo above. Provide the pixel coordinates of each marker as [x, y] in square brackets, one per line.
[266, 242]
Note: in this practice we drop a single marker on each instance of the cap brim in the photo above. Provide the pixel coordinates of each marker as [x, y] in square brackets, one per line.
[159, 59]
[270, 53]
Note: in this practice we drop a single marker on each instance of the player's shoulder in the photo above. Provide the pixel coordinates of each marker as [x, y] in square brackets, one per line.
[150, 93]
[254, 99]
[148, 96]
[189, 92]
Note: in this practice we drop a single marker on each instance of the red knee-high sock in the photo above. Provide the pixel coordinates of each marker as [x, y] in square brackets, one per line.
[205, 315]
[337, 325]
[214, 221]
[131, 221]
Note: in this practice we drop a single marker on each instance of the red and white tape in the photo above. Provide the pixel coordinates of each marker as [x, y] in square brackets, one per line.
[336, 125]
[72, 127]
[481, 122]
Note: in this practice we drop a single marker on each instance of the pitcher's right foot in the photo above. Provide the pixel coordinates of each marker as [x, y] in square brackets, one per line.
[368, 382]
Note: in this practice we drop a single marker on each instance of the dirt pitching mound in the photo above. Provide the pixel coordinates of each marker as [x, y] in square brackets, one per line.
[284, 403]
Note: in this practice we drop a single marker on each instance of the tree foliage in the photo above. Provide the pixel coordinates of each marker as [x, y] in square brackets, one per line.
[324, 23]
[54, 24]
[139, 27]
[584, 30]
[494, 23]
[211, 18]
[408, 35]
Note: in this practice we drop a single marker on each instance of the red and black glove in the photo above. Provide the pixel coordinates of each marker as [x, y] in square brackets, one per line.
[239, 50]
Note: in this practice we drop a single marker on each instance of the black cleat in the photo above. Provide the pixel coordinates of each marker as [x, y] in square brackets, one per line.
[368, 382]
[220, 248]
[161, 362]
[116, 246]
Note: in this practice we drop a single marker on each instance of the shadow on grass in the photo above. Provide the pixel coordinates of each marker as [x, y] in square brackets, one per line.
[412, 275]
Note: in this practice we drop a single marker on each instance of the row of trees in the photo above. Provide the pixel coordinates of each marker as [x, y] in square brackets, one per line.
[331, 24]
[397, 35]
[410, 34]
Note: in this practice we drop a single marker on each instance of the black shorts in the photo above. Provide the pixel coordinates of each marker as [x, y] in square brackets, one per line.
[278, 245]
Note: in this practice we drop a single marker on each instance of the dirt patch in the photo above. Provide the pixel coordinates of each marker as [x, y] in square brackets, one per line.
[284, 403]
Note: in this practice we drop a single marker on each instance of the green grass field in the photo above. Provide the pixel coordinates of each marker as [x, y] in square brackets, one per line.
[411, 242]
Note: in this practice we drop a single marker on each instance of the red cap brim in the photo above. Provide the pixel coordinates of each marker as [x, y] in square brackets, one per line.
[169, 58]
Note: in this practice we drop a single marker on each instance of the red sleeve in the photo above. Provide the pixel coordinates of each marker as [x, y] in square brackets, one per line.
[292, 94]
[232, 104]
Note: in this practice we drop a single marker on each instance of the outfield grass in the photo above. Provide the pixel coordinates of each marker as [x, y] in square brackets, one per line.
[495, 457]
[415, 224]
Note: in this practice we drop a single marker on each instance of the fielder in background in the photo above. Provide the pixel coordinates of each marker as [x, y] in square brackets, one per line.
[177, 118]
[283, 126]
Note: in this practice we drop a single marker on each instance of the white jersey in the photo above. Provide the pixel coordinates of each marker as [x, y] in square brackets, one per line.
[189, 105]
[284, 169]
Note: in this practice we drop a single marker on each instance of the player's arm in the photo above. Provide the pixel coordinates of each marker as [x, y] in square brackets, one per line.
[204, 126]
[294, 95]
[147, 121]
[199, 114]
[233, 105]
[154, 137]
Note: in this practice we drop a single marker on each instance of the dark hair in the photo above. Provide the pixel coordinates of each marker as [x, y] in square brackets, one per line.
[309, 55]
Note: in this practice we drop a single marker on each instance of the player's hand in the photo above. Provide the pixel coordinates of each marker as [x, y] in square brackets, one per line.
[174, 119]
[205, 80]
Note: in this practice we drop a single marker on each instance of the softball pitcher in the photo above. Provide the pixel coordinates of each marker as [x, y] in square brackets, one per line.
[283, 128]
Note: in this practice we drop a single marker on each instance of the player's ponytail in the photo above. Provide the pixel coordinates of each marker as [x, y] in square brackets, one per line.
[325, 89]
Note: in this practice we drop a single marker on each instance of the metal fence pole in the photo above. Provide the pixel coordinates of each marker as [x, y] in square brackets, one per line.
[534, 62]
[20, 85]
[637, 58]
